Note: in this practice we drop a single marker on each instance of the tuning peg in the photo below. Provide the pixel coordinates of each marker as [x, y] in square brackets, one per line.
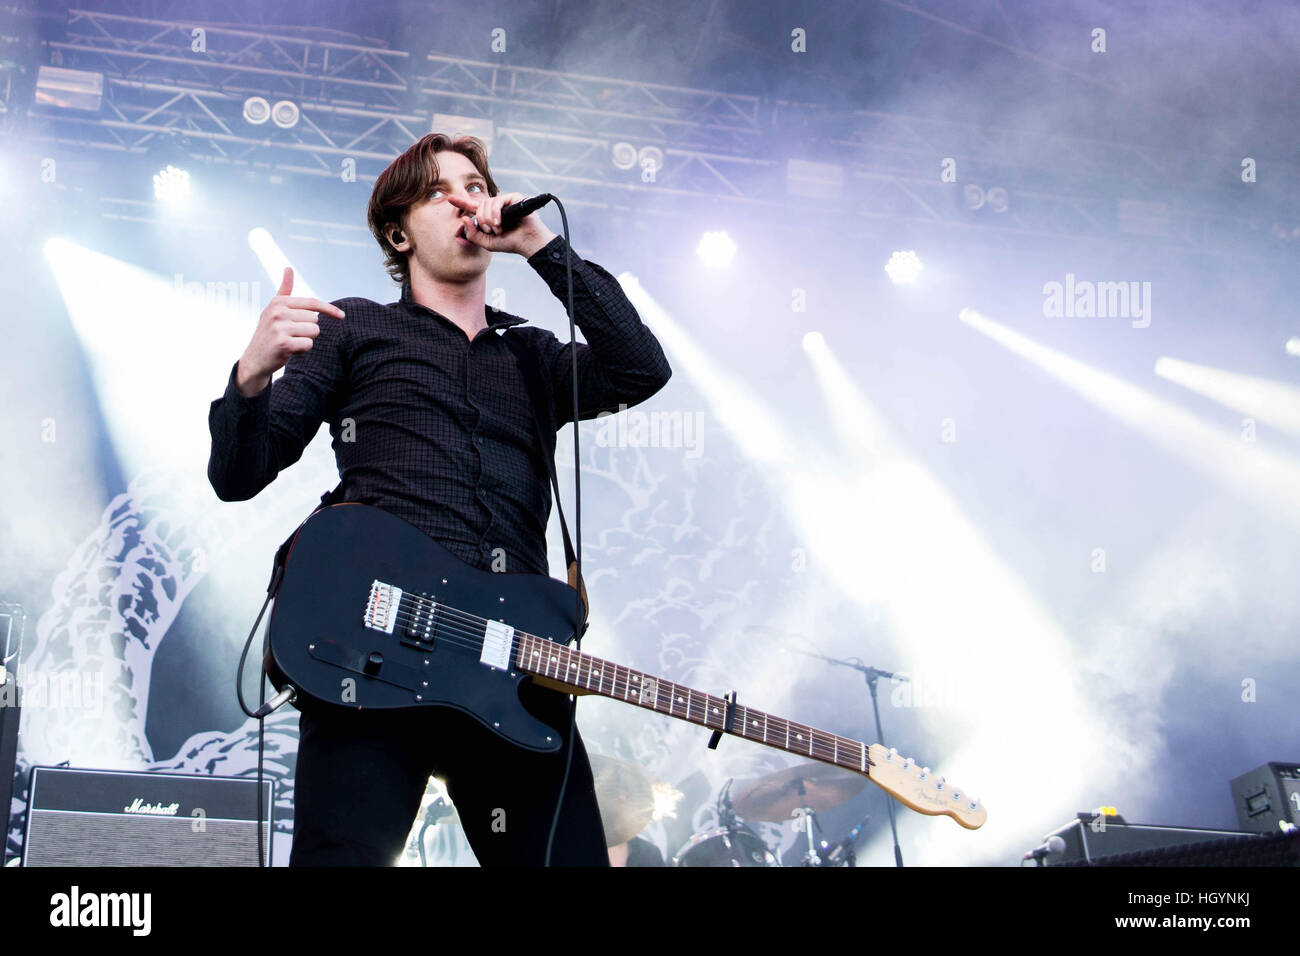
[925, 772]
[939, 785]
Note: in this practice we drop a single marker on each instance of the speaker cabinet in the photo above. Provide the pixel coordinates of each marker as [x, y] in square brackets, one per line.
[79, 817]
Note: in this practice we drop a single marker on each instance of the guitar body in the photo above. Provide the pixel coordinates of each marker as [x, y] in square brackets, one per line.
[372, 613]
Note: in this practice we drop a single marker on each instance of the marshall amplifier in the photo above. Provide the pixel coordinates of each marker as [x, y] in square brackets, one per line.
[112, 818]
[1267, 796]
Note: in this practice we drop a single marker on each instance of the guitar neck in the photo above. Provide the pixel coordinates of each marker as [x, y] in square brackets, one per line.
[581, 673]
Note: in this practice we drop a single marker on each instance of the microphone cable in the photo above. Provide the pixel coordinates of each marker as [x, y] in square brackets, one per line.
[577, 529]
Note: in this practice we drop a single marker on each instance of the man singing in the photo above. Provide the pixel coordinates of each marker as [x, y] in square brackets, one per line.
[431, 420]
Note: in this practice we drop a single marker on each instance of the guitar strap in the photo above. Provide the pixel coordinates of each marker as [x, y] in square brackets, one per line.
[531, 371]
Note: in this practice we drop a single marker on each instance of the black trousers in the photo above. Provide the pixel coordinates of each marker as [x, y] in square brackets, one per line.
[361, 775]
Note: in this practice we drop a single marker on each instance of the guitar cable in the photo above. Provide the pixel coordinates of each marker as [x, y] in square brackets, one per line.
[260, 714]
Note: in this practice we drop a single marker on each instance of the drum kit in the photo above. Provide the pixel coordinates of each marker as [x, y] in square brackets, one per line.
[631, 800]
[626, 795]
[796, 793]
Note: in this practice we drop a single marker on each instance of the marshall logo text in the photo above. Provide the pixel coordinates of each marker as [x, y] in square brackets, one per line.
[160, 809]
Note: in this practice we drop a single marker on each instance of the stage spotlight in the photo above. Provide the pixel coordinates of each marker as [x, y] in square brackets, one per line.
[257, 110]
[650, 158]
[904, 267]
[1293, 346]
[813, 342]
[973, 196]
[998, 199]
[172, 186]
[285, 114]
[623, 155]
[716, 249]
[67, 89]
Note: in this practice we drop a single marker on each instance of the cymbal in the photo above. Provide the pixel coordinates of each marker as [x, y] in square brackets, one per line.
[625, 793]
[775, 797]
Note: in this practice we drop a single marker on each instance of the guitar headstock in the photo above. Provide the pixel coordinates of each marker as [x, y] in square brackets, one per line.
[923, 791]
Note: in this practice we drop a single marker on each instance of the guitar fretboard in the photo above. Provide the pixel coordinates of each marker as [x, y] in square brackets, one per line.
[536, 655]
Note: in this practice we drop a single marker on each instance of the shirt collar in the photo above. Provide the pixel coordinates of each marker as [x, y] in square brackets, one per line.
[496, 319]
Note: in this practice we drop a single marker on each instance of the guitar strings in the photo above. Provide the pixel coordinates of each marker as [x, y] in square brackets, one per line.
[474, 642]
[452, 621]
[462, 629]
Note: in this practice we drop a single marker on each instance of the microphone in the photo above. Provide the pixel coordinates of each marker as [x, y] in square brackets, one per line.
[513, 214]
[1054, 844]
[846, 845]
[437, 810]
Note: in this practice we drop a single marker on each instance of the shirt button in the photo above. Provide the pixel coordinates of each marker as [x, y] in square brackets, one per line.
[556, 255]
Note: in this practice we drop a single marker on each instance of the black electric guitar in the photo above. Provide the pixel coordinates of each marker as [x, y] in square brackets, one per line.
[372, 613]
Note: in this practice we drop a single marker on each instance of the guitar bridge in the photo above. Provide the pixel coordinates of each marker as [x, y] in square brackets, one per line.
[381, 609]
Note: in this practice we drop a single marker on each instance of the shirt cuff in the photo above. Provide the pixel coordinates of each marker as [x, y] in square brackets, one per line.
[248, 412]
[553, 251]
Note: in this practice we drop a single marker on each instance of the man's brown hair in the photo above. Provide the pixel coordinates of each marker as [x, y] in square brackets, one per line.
[408, 180]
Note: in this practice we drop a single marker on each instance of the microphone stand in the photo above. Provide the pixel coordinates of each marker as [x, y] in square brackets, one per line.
[872, 674]
[437, 810]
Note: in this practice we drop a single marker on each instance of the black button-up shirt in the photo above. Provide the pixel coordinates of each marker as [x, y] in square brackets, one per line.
[437, 429]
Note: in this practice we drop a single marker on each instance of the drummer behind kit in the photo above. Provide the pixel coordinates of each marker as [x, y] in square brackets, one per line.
[631, 799]
[795, 793]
